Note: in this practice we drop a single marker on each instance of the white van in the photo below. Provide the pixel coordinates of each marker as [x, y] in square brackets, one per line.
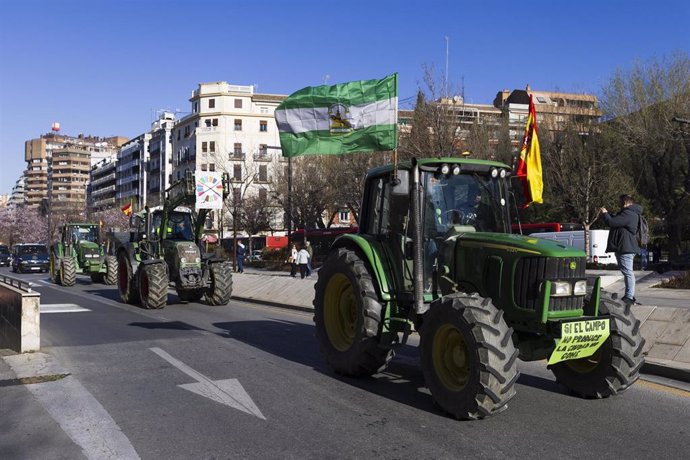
[597, 243]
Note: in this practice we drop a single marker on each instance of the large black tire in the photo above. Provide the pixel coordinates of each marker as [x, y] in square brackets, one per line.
[347, 313]
[126, 284]
[190, 295]
[68, 271]
[110, 270]
[615, 366]
[153, 286]
[468, 357]
[53, 269]
[220, 290]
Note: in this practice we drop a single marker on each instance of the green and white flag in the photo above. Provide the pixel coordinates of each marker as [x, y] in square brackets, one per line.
[359, 116]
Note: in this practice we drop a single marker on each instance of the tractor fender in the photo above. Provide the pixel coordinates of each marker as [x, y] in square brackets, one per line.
[371, 256]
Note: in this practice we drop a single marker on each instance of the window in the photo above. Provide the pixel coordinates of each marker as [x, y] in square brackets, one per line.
[263, 194]
[212, 146]
[204, 147]
[237, 149]
[196, 107]
[215, 122]
[212, 167]
[263, 149]
[263, 173]
[208, 123]
[238, 125]
[344, 215]
[211, 103]
[263, 109]
[203, 167]
[178, 134]
[263, 126]
[237, 172]
[238, 103]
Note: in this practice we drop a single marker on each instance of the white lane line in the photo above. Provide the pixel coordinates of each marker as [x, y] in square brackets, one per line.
[62, 308]
[78, 413]
[229, 392]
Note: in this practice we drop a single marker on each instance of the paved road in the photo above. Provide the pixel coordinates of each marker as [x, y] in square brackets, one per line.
[150, 371]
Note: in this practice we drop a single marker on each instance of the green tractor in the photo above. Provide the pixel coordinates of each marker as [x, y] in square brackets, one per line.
[435, 254]
[80, 251]
[164, 248]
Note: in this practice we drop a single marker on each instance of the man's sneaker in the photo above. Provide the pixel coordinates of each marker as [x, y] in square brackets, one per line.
[628, 300]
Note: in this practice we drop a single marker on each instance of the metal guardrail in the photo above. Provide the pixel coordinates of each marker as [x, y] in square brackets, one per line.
[16, 283]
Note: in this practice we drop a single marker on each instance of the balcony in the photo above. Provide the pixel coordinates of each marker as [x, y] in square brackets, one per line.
[262, 157]
[236, 156]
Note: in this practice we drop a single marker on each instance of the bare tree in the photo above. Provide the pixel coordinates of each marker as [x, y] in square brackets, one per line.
[640, 106]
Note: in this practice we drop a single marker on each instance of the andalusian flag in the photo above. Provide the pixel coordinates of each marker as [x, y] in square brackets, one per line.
[127, 209]
[529, 164]
[359, 116]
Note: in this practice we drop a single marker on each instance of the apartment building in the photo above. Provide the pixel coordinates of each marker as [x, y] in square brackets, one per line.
[102, 187]
[131, 171]
[159, 167]
[68, 168]
[231, 129]
[18, 197]
[38, 152]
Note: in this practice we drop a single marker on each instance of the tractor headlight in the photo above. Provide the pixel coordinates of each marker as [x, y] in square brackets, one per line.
[580, 287]
[456, 170]
[494, 173]
[502, 173]
[561, 289]
[445, 169]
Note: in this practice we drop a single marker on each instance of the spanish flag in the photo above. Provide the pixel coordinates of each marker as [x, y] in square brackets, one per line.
[529, 164]
[127, 209]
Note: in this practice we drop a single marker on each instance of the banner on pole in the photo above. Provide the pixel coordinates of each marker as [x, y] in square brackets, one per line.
[209, 190]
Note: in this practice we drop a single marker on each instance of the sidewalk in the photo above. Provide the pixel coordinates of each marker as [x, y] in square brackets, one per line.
[664, 313]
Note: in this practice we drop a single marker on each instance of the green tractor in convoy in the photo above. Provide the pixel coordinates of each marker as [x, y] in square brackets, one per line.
[164, 248]
[80, 251]
[435, 253]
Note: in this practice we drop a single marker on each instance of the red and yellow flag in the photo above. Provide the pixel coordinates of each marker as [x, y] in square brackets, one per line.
[529, 164]
[127, 209]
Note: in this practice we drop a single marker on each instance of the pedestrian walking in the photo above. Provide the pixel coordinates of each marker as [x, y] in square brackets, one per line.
[241, 254]
[293, 261]
[623, 241]
[302, 261]
[310, 251]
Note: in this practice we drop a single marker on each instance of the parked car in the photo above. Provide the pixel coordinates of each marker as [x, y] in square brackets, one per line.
[29, 258]
[255, 256]
[5, 256]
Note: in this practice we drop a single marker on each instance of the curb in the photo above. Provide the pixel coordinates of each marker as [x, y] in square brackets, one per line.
[273, 304]
[666, 369]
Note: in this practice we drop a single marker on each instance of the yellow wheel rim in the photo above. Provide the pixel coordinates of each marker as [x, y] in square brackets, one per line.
[585, 365]
[451, 357]
[340, 312]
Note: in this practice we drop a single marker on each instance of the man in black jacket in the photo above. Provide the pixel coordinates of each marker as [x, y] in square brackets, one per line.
[623, 241]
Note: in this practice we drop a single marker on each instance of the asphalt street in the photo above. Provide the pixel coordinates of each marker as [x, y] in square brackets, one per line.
[247, 381]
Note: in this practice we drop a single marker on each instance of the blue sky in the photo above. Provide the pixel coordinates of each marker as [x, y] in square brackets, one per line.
[103, 67]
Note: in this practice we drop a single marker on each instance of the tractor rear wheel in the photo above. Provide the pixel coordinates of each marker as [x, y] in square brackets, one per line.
[110, 270]
[153, 286]
[615, 366]
[53, 269]
[68, 271]
[126, 280]
[468, 357]
[347, 313]
[190, 295]
[220, 290]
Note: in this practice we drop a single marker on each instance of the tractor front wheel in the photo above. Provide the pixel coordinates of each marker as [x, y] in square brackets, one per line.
[347, 313]
[125, 280]
[615, 366]
[110, 270]
[153, 286]
[68, 271]
[220, 290]
[468, 357]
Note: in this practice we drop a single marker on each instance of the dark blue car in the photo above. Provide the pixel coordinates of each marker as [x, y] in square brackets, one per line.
[29, 258]
[5, 256]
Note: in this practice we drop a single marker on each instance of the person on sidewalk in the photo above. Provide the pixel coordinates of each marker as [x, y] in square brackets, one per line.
[241, 253]
[310, 251]
[623, 240]
[293, 260]
[302, 261]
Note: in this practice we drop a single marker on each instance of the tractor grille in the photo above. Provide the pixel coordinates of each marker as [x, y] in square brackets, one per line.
[188, 254]
[530, 272]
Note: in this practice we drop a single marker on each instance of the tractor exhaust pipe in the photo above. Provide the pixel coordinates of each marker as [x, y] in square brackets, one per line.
[417, 241]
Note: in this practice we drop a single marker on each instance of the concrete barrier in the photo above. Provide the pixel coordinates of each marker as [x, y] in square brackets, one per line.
[20, 319]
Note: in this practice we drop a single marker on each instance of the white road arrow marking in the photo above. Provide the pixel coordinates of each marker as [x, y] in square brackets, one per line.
[229, 392]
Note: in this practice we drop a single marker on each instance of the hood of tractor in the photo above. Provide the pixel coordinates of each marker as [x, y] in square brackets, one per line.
[516, 244]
